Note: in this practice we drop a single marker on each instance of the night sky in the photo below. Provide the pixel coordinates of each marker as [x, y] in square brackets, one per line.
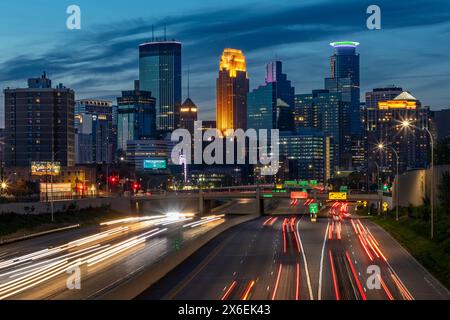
[98, 61]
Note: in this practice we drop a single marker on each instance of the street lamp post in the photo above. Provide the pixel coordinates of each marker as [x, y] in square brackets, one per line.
[381, 147]
[432, 181]
[378, 188]
[407, 124]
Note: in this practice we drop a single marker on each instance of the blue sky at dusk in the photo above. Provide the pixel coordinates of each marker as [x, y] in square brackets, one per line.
[98, 61]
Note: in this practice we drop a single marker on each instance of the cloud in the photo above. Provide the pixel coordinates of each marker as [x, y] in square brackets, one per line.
[105, 57]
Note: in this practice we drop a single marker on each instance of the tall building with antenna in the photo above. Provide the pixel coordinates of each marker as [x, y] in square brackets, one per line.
[189, 111]
[160, 73]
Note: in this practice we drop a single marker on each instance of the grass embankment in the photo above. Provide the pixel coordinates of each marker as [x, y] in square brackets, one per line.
[16, 225]
[413, 232]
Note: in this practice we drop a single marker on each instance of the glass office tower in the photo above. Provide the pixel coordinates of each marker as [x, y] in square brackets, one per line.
[345, 79]
[160, 73]
[136, 118]
[271, 105]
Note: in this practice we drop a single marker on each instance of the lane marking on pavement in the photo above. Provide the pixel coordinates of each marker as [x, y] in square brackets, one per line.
[200, 267]
[333, 273]
[230, 289]
[308, 279]
[319, 293]
[277, 282]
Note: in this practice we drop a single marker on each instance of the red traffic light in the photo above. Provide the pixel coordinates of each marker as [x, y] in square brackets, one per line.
[113, 179]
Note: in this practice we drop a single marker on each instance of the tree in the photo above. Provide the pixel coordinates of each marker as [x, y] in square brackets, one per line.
[444, 190]
[442, 151]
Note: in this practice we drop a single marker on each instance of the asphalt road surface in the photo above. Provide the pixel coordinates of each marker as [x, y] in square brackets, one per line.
[288, 257]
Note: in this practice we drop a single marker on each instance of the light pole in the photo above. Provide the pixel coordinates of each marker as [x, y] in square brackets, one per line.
[381, 147]
[378, 188]
[407, 124]
[2, 145]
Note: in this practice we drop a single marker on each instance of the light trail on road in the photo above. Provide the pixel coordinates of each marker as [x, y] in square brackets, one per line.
[49, 267]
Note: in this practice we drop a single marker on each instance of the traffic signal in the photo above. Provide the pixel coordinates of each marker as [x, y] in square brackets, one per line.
[385, 187]
[113, 180]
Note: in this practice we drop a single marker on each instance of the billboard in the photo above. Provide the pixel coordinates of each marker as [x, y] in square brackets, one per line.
[45, 168]
[154, 164]
[56, 187]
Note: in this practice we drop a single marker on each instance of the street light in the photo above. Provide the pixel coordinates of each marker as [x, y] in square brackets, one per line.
[407, 124]
[381, 147]
[3, 187]
[378, 188]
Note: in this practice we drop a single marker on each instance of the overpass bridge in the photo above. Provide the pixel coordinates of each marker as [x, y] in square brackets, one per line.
[206, 198]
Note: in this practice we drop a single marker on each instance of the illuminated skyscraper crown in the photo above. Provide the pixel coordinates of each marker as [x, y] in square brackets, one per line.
[232, 60]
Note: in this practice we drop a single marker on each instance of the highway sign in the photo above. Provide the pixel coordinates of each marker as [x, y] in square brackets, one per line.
[313, 208]
[290, 183]
[299, 195]
[343, 189]
[303, 183]
[337, 196]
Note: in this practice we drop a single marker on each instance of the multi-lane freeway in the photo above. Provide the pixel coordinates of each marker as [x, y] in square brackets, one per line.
[103, 256]
[281, 256]
[289, 257]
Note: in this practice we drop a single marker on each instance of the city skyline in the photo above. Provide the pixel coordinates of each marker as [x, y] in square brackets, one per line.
[417, 66]
[325, 174]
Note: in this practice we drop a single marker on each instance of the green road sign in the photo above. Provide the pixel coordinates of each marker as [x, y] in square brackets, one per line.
[313, 208]
[303, 183]
[268, 196]
[343, 189]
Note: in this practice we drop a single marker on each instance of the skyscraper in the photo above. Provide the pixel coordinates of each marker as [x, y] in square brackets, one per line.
[188, 115]
[441, 120]
[271, 105]
[310, 154]
[160, 73]
[306, 114]
[94, 135]
[39, 124]
[410, 144]
[327, 112]
[136, 116]
[344, 78]
[189, 111]
[370, 110]
[232, 88]
[381, 94]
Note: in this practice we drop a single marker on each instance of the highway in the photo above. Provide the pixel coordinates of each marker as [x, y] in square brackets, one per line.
[103, 256]
[287, 257]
